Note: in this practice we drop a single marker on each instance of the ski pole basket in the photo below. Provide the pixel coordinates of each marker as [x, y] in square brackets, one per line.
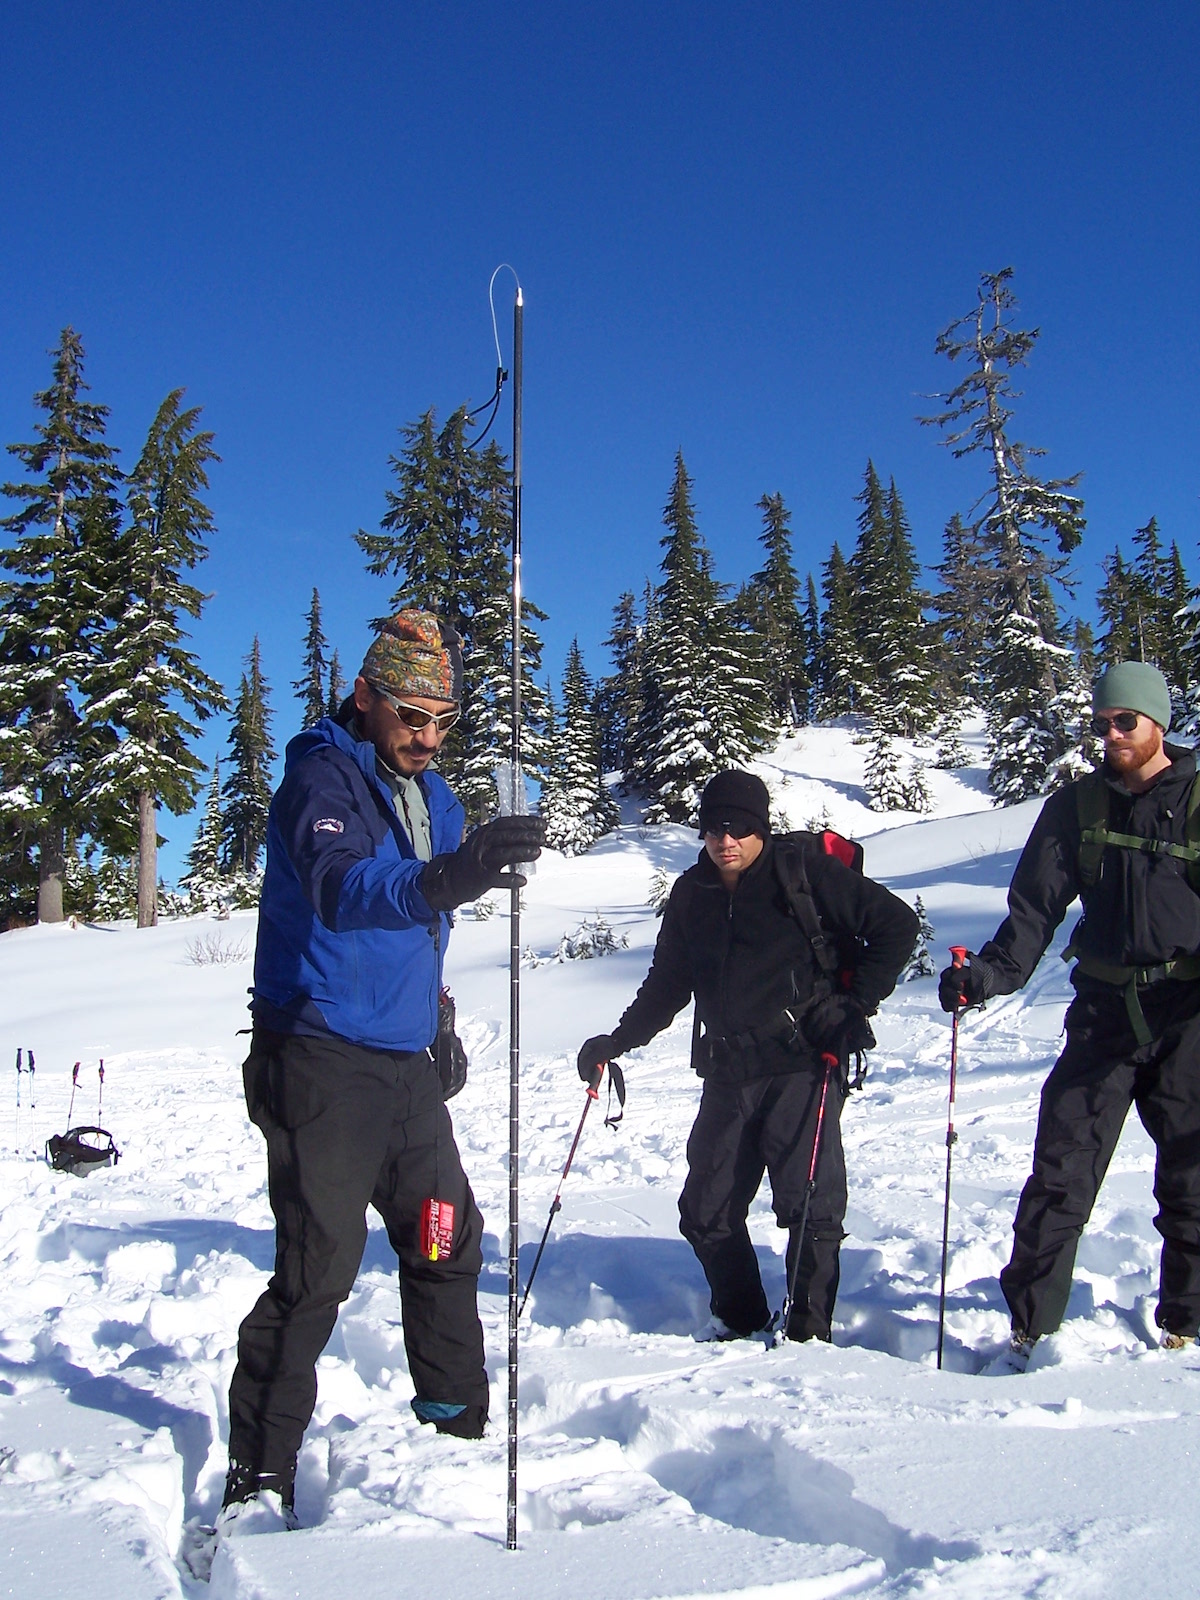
[82, 1150]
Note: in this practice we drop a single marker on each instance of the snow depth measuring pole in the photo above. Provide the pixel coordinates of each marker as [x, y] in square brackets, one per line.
[514, 923]
[957, 955]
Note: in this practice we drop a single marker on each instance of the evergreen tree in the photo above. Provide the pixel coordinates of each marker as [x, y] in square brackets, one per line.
[447, 534]
[310, 686]
[247, 790]
[618, 697]
[203, 878]
[51, 612]
[144, 676]
[337, 687]
[812, 646]
[907, 666]
[921, 963]
[579, 809]
[1120, 611]
[773, 613]
[703, 703]
[839, 674]
[961, 606]
[867, 571]
[1026, 666]
[881, 778]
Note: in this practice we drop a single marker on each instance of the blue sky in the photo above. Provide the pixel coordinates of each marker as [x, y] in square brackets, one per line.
[739, 233]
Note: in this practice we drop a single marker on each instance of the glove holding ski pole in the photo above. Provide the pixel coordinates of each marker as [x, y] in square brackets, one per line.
[965, 987]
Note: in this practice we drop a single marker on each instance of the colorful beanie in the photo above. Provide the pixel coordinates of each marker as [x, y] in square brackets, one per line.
[413, 653]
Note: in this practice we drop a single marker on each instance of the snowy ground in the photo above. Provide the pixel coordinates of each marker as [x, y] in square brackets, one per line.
[814, 1471]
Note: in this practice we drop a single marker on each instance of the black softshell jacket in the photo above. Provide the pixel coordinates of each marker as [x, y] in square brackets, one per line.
[747, 960]
[1140, 912]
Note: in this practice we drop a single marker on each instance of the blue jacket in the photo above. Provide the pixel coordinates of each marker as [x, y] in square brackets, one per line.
[347, 943]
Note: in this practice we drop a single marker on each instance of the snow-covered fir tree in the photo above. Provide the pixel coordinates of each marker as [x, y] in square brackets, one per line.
[916, 788]
[311, 686]
[143, 684]
[1026, 665]
[772, 609]
[246, 792]
[447, 534]
[921, 963]
[660, 890]
[704, 708]
[881, 777]
[203, 879]
[839, 668]
[575, 802]
[53, 579]
[961, 608]
[619, 696]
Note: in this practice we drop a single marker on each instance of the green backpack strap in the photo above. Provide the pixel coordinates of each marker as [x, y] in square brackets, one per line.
[1091, 807]
[1191, 832]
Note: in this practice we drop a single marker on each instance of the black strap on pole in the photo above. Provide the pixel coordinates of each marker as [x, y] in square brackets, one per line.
[514, 945]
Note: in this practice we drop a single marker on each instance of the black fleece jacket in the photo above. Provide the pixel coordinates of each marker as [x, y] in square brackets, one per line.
[1140, 912]
[746, 958]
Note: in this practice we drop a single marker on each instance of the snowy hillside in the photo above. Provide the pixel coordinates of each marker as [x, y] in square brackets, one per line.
[812, 1470]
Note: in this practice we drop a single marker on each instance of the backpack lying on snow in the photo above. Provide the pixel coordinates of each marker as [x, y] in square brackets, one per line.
[82, 1150]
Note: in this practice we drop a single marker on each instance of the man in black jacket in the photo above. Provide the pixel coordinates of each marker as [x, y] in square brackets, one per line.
[1118, 839]
[730, 938]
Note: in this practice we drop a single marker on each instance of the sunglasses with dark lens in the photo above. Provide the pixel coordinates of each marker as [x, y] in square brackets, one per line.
[1123, 722]
[735, 830]
[416, 717]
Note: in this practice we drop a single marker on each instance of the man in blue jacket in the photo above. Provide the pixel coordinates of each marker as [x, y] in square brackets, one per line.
[365, 860]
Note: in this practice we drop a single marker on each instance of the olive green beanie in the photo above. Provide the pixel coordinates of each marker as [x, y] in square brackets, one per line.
[1134, 686]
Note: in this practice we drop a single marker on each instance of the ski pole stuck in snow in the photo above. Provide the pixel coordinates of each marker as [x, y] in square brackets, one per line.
[958, 954]
[593, 1093]
[795, 1249]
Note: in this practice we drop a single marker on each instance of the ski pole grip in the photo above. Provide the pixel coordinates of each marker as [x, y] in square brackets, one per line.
[828, 1057]
[958, 954]
[593, 1090]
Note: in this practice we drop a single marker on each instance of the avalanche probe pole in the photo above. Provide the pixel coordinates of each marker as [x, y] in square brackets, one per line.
[831, 1062]
[957, 953]
[514, 944]
[556, 1204]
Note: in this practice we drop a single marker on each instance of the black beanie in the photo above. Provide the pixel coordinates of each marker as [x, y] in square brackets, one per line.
[735, 800]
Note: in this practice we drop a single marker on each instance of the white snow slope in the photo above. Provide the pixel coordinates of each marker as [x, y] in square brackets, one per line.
[814, 1470]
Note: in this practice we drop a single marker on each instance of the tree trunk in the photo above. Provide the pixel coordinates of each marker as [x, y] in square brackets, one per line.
[147, 875]
[51, 870]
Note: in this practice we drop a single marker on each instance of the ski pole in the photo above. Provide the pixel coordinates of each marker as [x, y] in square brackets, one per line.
[17, 1131]
[100, 1096]
[593, 1093]
[32, 1105]
[957, 955]
[74, 1083]
[831, 1062]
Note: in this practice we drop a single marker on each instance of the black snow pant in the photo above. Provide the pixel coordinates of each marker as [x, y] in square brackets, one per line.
[741, 1131]
[347, 1127]
[1101, 1072]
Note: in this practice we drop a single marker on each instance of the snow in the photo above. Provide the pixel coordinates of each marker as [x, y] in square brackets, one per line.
[812, 1471]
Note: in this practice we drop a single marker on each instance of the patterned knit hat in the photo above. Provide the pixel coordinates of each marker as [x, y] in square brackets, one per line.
[413, 653]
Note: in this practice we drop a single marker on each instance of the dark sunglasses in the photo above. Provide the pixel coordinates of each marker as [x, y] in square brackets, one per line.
[416, 717]
[1123, 722]
[739, 830]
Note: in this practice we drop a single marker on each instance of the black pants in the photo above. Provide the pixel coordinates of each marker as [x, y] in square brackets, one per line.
[741, 1131]
[348, 1127]
[1102, 1072]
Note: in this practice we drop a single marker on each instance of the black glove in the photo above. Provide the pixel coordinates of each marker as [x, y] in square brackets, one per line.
[838, 1026]
[595, 1053]
[475, 867]
[961, 988]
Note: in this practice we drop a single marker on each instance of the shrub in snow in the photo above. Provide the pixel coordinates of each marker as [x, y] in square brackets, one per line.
[885, 790]
[215, 950]
[593, 937]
